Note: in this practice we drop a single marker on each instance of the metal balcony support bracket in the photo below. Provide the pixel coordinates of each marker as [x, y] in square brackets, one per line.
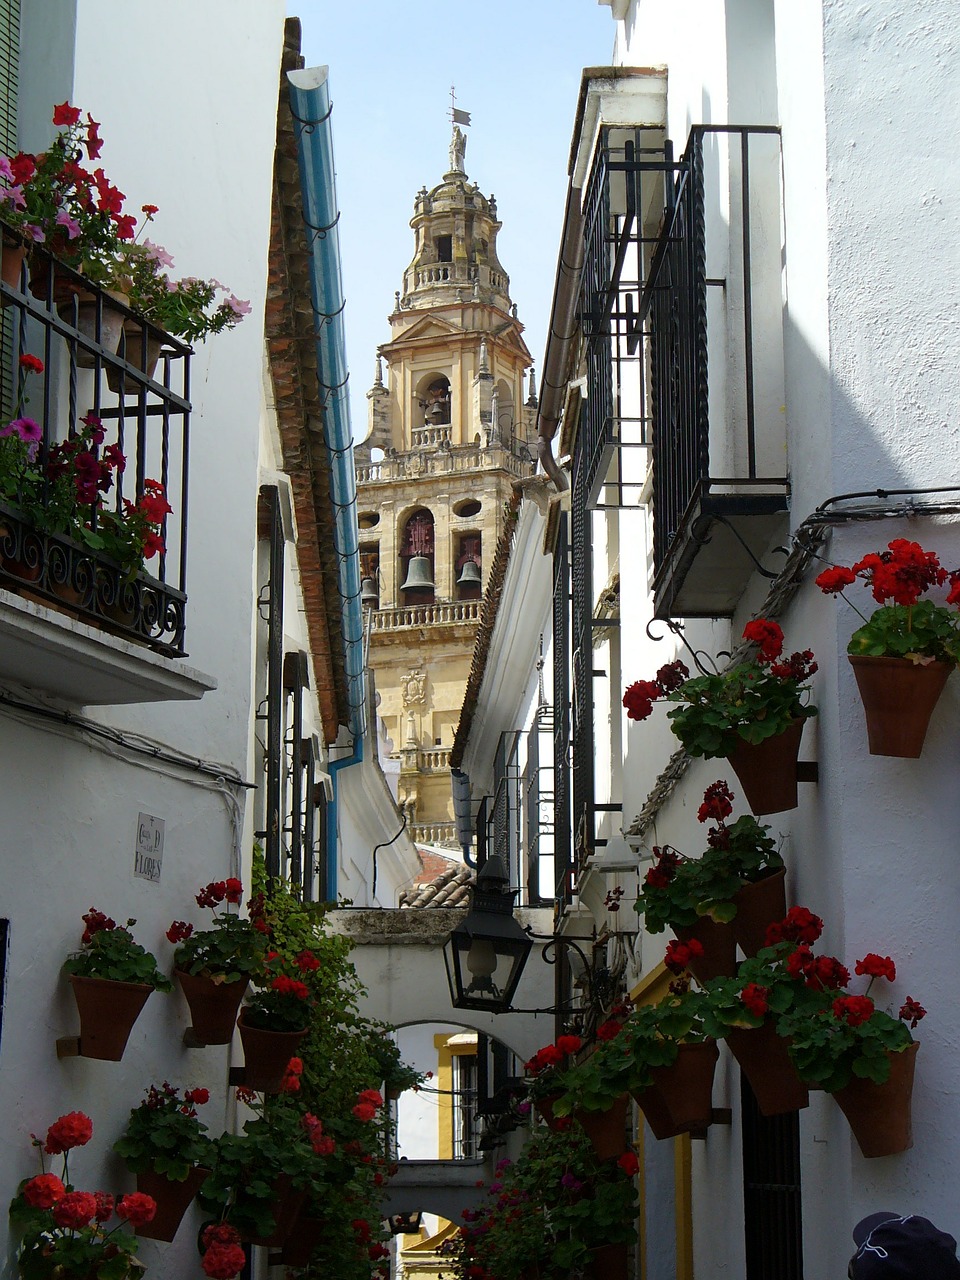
[192, 1041]
[69, 1047]
[718, 1115]
[808, 771]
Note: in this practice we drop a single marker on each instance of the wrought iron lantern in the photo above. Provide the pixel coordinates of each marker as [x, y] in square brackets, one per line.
[402, 1224]
[485, 954]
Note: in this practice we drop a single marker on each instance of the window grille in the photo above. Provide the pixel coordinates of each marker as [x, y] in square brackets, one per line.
[772, 1208]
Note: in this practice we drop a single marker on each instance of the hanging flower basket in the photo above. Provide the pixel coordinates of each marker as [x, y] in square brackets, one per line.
[266, 1054]
[764, 1060]
[107, 1011]
[173, 1200]
[758, 905]
[213, 1005]
[768, 770]
[606, 1129]
[719, 959]
[879, 1115]
[681, 1096]
[898, 699]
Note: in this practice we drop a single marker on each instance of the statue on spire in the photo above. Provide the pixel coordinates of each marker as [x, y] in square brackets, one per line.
[458, 149]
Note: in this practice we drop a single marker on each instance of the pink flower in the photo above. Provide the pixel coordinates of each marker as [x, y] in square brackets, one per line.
[24, 429]
[70, 225]
[238, 306]
[5, 171]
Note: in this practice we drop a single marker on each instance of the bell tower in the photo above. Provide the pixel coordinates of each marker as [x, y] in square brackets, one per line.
[450, 431]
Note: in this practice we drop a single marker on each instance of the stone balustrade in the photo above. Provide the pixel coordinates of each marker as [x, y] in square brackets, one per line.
[427, 615]
[435, 760]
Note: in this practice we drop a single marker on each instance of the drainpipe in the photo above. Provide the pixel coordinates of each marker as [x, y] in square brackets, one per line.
[560, 340]
[311, 108]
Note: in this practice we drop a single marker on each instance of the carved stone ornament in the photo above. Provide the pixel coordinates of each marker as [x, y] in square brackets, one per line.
[414, 686]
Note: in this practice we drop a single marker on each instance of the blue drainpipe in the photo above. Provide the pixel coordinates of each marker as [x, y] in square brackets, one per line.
[311, 107]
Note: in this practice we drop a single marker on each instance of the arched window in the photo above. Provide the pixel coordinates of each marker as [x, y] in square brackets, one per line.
[417, 559]
[434, 401]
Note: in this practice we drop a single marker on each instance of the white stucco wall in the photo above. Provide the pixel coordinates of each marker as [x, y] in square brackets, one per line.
[181, 95]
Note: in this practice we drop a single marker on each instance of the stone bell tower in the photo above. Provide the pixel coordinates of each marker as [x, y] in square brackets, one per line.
[451, 428]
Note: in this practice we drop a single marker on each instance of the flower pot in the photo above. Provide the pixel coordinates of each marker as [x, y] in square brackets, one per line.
[606, 1129]
[131, 349]
[768, 770]
[879, 1115]
[213, 1005]
[681, 1096]
[11, 263]
[84, 319]
[286, 1209]
[173, 1200]
[306, 1234]
[108, 1011]
[544, 1107]
[609, 1262]
[898, 699]
[42, 267]
[265, 1055]
[719, 959]
[392, 1092]
[759, 904]
[764, 1060]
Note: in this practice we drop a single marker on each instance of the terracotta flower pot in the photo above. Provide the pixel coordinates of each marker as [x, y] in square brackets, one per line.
[108, 1011]
[545, 1108]
[681, 1096]
[607, 1130]
[266, 1054]
[213, 1005]
[764, 1060]
[85, 320]
[609, 1262]
[392, 1092]
[304, 1237]
[134, 354]
[879, 1115]
[286, 1209]
[11, 262]
[759, 904]
[173, 1200]
[768, 770]
[42, 267]
[898, 699]
[719, 959]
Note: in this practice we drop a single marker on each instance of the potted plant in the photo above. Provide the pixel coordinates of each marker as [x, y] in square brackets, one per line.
[906, 649]
[112, 976]
[861, 1054]
[739, 879]
[545, 1073]
[63, 1232]
[214, 966]
[751, 714]
[166, 1146]
[745, 1010]
[272, 1024]
[661, 1053]
[395, 1075]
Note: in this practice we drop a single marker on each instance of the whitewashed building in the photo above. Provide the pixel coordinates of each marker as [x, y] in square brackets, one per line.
[240, 713]
[751, 375]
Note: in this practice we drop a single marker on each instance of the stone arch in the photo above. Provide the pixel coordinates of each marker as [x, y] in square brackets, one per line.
[432, 400]
[416, 553]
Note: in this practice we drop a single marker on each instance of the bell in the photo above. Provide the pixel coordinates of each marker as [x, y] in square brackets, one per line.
[469, 574]
[418, 574]
[369, 595]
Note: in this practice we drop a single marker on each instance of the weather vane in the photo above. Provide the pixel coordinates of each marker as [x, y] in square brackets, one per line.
[456, 115]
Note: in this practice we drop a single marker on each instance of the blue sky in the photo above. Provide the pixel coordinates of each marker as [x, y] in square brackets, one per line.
[516, 65]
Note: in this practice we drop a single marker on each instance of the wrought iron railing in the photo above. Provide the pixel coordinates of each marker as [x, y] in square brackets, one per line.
[97, 360]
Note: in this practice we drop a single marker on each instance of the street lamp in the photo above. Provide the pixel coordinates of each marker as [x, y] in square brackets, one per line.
[486, 952]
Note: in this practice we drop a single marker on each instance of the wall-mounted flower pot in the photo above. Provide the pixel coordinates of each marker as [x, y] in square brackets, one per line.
[607, 1130]
[108, 1011]
[173, 1200]
[719, 959]
[879, 1115]
[609, 1262]
[544, 1108]
[898, 699]
[680, 1098]
[265, 1055]
[768, 770]
[213, 1006]
[286, 1209]
[764, 1060]
[759, 904]
[307, 1233]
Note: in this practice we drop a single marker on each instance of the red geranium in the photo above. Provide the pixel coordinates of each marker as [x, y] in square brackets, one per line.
[609, 1030]
[754, 998]
[75, 1210]
[223, 1261]
[875, 966]
[629, 1163]
[766, 635]
[853, 1010]
[44, 1191]
[32, 364]
[911, 1011]
[64, 114]
[717, 803]
[72, 1130]
[137, 1208]
[179, 931]
[678, 955]
[569, 1044]
[364, 1111]
[798, 925]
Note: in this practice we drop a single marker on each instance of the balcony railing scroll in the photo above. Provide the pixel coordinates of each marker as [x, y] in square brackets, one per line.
[99, 359]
